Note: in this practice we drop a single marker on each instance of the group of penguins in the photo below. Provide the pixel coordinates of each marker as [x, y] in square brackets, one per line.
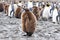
[30, 14]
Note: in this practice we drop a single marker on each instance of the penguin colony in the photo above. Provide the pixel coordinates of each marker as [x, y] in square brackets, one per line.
[32, 11]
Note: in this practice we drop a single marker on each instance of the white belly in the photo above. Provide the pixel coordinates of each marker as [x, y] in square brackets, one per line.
[55, 13]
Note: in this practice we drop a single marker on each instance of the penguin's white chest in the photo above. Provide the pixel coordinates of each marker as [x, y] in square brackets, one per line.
[55, 13]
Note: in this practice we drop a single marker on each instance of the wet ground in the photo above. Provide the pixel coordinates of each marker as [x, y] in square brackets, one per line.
[10, 29]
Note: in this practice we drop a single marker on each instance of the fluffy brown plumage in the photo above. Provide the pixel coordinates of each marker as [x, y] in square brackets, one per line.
[18, 13]
[36, 12]
[28, 21]
[1, 7]
[6, 6]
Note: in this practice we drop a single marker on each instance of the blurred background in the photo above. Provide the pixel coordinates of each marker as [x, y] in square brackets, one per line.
[30, 0]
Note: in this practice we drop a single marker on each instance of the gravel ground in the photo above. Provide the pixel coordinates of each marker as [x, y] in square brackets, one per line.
[10, 29]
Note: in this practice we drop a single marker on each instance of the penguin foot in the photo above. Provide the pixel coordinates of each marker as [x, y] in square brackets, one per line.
[29, 34]
[10, 17]
[17, 17]
[53, 22]
[57, 23]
